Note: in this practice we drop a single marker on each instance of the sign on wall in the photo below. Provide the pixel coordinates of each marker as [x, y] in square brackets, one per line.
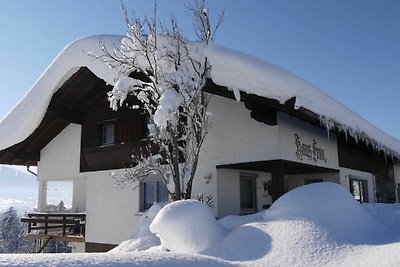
[309, 151]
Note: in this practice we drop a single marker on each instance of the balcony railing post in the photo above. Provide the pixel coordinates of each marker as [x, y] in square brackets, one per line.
[46, 224]
[64, 225]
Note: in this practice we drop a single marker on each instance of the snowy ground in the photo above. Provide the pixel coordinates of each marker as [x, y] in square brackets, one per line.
[315, 225]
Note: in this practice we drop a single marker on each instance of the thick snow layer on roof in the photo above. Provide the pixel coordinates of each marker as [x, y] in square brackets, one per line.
[239, 71]
[27, 114]
[229, 68]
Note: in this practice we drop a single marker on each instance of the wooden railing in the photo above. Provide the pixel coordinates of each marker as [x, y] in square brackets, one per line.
[57, 226]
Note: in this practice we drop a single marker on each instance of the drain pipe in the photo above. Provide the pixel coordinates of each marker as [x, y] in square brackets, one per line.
[31, 172]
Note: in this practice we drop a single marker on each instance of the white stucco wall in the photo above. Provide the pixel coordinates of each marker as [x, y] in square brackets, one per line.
[111, 212]
[297, 180]
[229, 190]
[289, 126]
[234, 137]
[60, 159]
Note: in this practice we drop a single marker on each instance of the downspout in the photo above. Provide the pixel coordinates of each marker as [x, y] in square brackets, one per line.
[31, 172]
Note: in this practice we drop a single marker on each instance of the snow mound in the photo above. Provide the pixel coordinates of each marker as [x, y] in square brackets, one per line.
[313, 225]
[332, 209]
[144, 238]
[386, 213]
[187, 226]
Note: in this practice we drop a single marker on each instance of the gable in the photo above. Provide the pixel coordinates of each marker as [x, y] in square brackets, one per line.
[68, 105]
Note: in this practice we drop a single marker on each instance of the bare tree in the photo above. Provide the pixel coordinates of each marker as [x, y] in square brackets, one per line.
[167, 73]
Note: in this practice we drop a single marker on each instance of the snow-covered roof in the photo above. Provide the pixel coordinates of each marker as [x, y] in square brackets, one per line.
[229, 68]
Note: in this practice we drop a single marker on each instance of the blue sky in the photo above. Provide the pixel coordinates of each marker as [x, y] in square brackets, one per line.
[348, 48]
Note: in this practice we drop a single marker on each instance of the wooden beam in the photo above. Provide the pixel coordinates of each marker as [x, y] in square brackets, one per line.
[277, 178]
[66, 238]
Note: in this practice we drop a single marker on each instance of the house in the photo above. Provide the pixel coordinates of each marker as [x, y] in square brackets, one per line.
[272, 132]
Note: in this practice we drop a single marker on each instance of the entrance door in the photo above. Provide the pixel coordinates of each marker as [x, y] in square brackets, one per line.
[359, 189]
[247, 194]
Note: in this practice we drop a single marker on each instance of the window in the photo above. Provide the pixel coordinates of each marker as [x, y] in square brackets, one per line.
[247, 194]
[153, 191]
[312, 181]
[359, 189]
[107, 129]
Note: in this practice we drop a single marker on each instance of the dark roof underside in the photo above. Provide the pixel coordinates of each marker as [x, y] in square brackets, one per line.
[68, 105]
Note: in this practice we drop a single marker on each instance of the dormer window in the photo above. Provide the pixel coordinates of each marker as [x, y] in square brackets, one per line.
[107, 129]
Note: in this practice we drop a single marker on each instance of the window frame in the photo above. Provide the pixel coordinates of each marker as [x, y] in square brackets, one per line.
[363, 191]
[102, 132]
[157, 193]
[252, 177]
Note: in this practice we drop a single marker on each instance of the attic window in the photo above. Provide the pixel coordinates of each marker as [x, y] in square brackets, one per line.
[107, 130]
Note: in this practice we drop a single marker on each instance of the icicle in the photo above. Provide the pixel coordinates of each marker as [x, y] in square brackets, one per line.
[236, 92]
[327, 126]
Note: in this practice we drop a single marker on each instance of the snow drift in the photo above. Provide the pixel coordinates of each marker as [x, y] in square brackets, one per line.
[332, 209]
[310, 225]
[237, 71]
[187, 226]
[305, 227]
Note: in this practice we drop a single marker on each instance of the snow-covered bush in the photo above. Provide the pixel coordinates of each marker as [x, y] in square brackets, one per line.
[187, 226]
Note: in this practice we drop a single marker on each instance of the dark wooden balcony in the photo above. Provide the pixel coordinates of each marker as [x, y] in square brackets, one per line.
[69, 227]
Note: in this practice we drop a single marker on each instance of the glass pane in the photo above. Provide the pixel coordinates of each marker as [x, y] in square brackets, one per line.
[355, 189]
[163, 195]
[246, 194]
[364, 191]
[108, 133]
[148, 195]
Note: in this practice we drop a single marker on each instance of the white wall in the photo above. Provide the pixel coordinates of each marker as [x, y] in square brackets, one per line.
[111, 213]
[60, 159]
[234, 137]
[289, 126]
[229, 191]
[297, 180]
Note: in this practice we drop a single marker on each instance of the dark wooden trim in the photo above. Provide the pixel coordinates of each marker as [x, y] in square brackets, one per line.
[278, 180]
[66, 238]
[92, 247]
[290, 167]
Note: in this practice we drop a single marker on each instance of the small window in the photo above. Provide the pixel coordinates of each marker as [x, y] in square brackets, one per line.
[359, 189]
[312, 181]
[154, 191]
[107, 133]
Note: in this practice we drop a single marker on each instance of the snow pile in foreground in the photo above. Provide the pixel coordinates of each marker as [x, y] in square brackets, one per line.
[332, 209]
[386, 213]
[187, 226]
[315, 225]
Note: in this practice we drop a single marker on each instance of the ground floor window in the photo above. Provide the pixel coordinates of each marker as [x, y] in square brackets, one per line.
[153, 191]
[359, 189]
[247, 194]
